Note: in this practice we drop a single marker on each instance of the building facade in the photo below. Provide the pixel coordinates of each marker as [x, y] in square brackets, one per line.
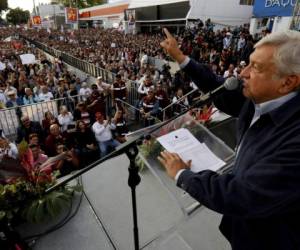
[145, 15]
[273, 15]
[107, 15]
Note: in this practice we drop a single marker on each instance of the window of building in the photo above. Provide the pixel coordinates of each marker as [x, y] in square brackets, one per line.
[247, 2]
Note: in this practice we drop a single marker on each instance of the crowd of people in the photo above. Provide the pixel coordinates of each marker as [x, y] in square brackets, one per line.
[82, 107]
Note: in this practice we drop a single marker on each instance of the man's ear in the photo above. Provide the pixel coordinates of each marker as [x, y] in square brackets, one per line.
[290, 83]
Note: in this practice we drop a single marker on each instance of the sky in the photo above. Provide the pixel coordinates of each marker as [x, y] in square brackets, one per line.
[25, 4]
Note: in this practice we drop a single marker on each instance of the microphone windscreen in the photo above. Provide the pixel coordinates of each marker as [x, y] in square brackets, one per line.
[231, 83]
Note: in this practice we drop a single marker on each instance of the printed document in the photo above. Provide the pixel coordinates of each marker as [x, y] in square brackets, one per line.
[183, 142]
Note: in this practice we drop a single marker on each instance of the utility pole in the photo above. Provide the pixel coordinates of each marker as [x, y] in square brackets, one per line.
[34, 8]
[54, 16]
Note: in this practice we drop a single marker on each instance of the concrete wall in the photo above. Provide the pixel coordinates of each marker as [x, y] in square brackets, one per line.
[280, 23]
[228, 12]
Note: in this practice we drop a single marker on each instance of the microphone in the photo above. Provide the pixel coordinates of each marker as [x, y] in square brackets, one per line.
[231, 83]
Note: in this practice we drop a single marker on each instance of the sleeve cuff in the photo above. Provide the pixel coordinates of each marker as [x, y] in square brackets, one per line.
[178, 174]
[184, 63]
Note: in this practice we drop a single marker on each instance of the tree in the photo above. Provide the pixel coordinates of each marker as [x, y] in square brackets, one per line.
[81, 3]
[17, 16]
[3, 5]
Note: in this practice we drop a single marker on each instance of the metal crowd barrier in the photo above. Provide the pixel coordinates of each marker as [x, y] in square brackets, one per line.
[82, 65]
[10, 117]
[170, 108]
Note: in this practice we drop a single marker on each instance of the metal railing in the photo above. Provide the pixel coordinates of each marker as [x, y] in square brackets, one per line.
[82, 65]
[170, 108]
[10, 117]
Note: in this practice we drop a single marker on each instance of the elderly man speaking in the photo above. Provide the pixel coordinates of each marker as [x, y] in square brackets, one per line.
[260, 197]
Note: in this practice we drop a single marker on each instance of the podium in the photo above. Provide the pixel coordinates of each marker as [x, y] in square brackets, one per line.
[189, 207]
[186, 203]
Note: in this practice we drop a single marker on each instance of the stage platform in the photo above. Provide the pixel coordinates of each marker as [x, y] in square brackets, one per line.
[104, 219]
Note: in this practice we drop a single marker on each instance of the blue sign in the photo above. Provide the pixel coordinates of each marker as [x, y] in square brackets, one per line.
[269, 8]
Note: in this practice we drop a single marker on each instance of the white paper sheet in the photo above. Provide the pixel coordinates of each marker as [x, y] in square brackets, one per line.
[183, 142]
[28, 59]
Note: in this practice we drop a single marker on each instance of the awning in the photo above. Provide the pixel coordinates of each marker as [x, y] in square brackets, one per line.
[145, 3]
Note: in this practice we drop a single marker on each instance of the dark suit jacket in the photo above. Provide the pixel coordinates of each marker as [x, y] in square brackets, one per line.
[260, 198]
[23, 133]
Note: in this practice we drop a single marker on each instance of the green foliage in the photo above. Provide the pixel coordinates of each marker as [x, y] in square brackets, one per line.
[81, 3]
[47, 207]
[17, 16]
[24, 200]
[3, 5]
[149, 147]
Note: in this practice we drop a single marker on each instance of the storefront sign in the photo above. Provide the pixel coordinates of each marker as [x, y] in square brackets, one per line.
[269, 8]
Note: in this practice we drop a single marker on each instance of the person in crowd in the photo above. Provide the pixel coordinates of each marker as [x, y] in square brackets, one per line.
[161, 95]
[102, 86]
[52, 139]
[62, 97]
[29, 97]
[241, 43]
[28, 127]
[7, 149]
[121, 125]
[34, 139]
[69, 162]
[45, 94]
[96, 102]
[230, 71]
[65, 119]
[119, 89]
[180, 103]
[103, 132]
[227, 40]
[81, 113]
[86, 143]
[84, 91]
[9, 88]
[38, 157]
[145, 86]
[3, 98]
[149, 108]
[72, 97]
[258, 196]
[48, 120]
[13, 100]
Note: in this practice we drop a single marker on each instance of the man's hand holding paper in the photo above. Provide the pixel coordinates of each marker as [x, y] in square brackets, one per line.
[173, 163]
[186, 152]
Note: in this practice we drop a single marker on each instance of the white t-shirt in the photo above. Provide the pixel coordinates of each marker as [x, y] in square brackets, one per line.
[84, 93]
[65, 120]
[46, 97]
[101, 132]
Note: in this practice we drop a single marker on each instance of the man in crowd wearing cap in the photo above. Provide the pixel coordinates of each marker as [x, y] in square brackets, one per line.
[227, 41]
[102, 130]
[13, 100]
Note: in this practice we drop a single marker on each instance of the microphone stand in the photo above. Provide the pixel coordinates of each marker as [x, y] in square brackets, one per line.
[131, 150]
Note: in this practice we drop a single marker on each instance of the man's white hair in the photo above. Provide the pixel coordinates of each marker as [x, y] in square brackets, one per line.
[287, 54]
